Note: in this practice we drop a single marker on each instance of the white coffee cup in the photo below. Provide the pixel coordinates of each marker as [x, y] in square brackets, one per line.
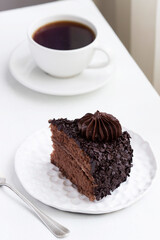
[64, 63]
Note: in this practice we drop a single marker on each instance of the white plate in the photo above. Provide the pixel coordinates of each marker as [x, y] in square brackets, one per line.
[25, 71]
[43, 181]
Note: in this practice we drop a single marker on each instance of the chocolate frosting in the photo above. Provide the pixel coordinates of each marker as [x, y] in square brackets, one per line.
[99, 127]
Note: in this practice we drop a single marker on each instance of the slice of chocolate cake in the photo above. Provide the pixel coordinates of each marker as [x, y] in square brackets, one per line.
[92, 152]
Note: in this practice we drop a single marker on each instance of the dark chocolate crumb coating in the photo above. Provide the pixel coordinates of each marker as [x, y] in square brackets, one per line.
[111, 162]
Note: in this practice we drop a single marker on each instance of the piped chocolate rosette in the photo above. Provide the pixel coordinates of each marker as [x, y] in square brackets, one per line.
[99, 126]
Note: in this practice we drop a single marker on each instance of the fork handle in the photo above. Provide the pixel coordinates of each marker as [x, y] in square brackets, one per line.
[57, 229]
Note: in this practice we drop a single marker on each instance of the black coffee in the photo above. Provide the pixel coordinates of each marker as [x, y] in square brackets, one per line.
[64, 35]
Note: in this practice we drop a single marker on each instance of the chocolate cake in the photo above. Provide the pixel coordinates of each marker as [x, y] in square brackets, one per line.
[92, 152]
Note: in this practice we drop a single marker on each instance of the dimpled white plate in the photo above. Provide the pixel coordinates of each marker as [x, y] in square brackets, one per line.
[44, 182]
[25, 71]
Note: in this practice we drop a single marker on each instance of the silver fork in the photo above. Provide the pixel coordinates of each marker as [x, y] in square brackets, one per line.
[57, 229]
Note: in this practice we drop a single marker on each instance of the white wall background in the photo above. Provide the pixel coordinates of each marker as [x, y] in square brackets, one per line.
[9, 4]
[137, 23]
[142, 32]
[117, 13]
[156, 72]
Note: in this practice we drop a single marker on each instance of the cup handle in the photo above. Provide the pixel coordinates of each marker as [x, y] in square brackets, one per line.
[101, 64]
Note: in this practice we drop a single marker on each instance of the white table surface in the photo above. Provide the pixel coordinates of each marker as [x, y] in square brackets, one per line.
[130, 97]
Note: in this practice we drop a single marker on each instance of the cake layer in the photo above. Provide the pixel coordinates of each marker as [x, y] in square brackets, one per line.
[70, 146]
[67, 165]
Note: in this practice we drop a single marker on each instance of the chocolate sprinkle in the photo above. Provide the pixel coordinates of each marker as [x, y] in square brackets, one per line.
[111, 162]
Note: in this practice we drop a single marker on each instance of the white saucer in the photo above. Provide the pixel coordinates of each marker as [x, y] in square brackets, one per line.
[43, 181]
[25, 71]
